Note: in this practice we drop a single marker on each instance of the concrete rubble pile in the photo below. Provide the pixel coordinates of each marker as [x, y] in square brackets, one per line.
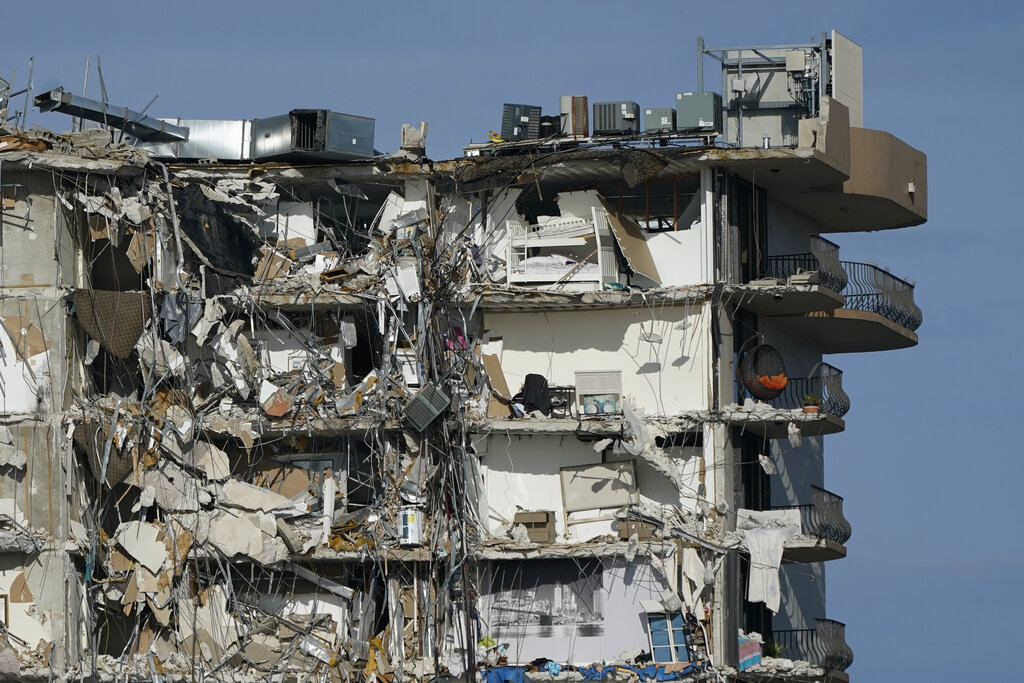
[251, 397]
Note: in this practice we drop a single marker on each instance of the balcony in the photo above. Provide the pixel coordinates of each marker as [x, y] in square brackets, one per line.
[822, 259]
[824, 530]
[824, 382]
[824, 646]
[878, 311]
[813, 282]
[874, 290]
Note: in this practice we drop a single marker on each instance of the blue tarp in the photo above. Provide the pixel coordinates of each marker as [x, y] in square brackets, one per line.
[654, 672]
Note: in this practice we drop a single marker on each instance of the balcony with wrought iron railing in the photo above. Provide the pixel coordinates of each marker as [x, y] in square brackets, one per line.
[823, 646]
[796, 284]
[824, 382]
[822, 260]
[815, 404]
[824, 530]
[878, 310]
[871, 289]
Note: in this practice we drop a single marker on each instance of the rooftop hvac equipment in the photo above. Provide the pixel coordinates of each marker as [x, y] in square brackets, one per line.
[659, 119]
[317, 133]
[207, 139]
[616, 118]
[599, 393]
[698, 112]
[550, 126]
[145, 128]
[575, 113]
[426, 406]
[520, 122]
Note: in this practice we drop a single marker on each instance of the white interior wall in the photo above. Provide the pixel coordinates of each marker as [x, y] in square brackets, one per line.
[522, 474]
[657, 490]
[492, 238]
[21, 382]
[664, 378]
[619, 588]
[681, 257]
[291, 220]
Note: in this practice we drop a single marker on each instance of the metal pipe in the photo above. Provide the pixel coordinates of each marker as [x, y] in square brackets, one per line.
[700, 63]
[174, 217]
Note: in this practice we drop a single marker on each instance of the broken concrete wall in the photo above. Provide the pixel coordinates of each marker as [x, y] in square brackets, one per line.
[31, 232]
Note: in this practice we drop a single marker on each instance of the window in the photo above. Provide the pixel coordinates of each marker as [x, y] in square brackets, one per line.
[669, 636]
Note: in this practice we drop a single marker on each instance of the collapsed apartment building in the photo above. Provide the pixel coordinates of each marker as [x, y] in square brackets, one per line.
[278, 406]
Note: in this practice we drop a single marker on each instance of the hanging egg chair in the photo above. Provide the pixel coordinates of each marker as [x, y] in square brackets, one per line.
[763, 372]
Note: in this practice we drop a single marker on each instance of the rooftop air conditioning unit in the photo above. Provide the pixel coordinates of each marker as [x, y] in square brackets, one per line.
[659, 119]
[698, 112]
[616, 118]
[575, 115]
[520, 122]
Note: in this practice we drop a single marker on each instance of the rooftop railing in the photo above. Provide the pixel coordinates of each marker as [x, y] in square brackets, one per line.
[824, 646]
[823, 518]
[825, 382]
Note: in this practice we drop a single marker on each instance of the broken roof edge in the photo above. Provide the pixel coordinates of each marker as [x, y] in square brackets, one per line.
[63, 161]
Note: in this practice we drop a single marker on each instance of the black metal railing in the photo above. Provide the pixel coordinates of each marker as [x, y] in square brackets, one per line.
[825, 383]
[864, 287]
[823, 518]
[823, 259]
[872, 289]
[824, 646]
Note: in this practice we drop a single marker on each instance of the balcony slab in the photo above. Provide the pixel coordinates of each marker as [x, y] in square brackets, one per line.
[779, 299]
[844, 330]
[803, 549]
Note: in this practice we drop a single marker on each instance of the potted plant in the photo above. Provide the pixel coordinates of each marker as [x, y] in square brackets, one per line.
[812, 404]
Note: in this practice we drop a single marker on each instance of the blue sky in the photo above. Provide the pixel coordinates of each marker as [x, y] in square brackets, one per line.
[930, 480]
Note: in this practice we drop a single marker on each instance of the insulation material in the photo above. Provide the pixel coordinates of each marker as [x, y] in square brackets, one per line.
[497, 405]
[27, 338]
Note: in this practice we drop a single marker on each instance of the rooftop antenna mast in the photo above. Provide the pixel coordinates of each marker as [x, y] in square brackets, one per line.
[28, 93]
[5, 89]
[19, 117]
[85, 88]
[103, 90]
